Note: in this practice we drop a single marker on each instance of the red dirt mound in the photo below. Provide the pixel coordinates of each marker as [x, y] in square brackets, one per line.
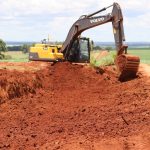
[77, 108]
[16, 84]
[20, 79]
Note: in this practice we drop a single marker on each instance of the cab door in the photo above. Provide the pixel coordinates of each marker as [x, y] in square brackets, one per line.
[84, 50]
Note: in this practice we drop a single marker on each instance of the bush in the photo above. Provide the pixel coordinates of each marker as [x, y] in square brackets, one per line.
[109, 48]
[25, 48]
[105, 61]
[6, 57]
[1, 56]
[97, 48]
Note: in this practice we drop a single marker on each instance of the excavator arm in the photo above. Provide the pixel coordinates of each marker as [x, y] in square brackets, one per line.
[86, 22]
[126, 64]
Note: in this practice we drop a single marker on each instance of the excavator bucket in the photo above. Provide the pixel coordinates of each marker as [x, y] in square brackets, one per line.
[127, 66]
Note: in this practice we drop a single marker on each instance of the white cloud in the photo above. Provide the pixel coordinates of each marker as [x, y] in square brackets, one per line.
[140, 21]
[31, 19]
[140, 5]
[30, 7]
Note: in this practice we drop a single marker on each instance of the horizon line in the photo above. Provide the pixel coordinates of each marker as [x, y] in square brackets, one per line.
[94, 41]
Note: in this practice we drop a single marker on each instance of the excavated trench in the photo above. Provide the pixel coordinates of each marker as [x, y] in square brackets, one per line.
[65, 106]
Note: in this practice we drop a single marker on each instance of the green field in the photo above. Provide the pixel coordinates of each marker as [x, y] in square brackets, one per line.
[144, 55]
[16, 56]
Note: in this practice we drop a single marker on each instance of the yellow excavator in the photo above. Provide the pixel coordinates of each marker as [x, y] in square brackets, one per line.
[77, 49]
[45, 52]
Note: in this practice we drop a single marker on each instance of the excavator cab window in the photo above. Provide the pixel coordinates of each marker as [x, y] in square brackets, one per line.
[84, 52]
[80, 51]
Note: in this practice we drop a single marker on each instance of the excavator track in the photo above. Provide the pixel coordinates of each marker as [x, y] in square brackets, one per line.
[127, 66]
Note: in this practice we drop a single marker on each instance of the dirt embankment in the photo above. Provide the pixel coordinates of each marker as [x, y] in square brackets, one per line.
[78, 107]
[16, 80]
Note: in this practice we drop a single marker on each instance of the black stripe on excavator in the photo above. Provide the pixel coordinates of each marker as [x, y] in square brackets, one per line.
[35, 57]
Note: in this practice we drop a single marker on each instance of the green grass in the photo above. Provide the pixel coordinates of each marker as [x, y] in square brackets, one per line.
[143, 53]
[104, 61]
[16, 56]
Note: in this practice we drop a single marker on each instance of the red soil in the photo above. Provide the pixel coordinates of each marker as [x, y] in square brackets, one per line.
[74, 107]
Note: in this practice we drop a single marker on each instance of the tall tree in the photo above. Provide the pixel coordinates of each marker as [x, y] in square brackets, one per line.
[25, 48]
[3, 48]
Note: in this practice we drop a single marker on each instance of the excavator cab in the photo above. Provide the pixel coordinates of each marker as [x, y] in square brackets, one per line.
[80, 50]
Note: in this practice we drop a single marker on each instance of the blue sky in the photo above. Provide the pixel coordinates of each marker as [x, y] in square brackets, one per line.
[34, 20]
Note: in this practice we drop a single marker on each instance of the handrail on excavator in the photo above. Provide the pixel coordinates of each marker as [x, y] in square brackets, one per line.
[101, 10]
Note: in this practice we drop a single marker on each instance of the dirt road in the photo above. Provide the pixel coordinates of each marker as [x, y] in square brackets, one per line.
[145, 69]
[74, 107]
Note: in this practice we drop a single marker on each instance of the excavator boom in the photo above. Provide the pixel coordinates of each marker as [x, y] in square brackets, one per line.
[86, 22]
